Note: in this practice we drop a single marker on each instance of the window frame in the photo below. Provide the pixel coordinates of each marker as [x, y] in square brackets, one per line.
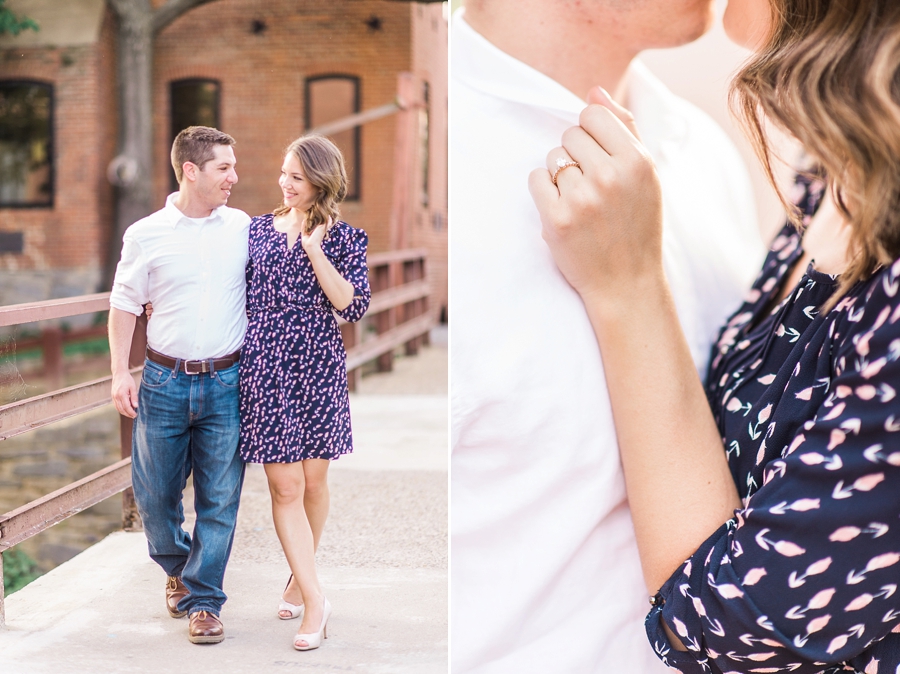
[173, 84]
[51, 141]
[425, 147]
[357, 131]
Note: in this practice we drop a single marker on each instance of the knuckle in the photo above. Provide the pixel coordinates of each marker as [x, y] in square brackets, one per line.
[570, 134]
[591, 112]
[642, 166]
[607, 176]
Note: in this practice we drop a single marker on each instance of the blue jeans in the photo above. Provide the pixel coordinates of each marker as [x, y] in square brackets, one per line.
[184, 423]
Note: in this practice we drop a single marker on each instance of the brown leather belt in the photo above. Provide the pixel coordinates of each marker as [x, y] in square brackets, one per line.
[194, 366]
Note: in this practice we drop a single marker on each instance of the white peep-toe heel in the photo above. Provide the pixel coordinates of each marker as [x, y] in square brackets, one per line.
[315, 640]
[295, 610]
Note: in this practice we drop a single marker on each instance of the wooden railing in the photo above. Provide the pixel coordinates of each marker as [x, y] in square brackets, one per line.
[399, 307]
[51, 343]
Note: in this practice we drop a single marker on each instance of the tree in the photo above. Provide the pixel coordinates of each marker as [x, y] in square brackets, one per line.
[10, 23]
[131, 172]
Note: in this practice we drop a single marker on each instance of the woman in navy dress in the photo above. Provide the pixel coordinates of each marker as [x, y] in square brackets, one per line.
[305, 266]
[779, 484]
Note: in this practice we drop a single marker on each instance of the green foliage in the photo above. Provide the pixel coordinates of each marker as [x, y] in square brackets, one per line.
[10, 23]
[18, 570]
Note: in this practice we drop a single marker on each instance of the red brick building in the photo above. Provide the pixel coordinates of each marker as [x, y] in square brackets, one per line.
[263, 71]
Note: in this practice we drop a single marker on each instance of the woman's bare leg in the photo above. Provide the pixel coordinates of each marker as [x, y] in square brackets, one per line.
[287, 486]
[316, 497]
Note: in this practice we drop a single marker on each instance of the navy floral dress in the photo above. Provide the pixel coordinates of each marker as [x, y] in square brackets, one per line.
[293, 378]
[805, 577]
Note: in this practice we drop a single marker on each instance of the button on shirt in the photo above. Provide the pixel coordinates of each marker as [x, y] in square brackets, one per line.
[193, 271]
[545, 574]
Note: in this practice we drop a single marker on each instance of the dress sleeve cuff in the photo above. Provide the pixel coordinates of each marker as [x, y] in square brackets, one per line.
[355, 310]
[681, 661]
[669, 602]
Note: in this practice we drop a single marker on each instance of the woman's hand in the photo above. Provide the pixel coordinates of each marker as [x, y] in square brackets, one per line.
[603, 219]
[337, 289]
[312, 242]
[603, 225]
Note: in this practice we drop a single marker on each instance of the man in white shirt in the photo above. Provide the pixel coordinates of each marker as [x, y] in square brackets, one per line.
[545, 571]
[189, 260]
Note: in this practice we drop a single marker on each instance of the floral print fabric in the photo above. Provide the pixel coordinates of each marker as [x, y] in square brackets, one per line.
[294, 401]
[805, 577]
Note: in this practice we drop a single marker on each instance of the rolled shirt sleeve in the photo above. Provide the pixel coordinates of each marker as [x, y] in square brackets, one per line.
[805, 577]
[130, 289]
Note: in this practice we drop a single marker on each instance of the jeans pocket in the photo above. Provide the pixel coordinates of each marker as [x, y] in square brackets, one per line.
[155, 375]
[228, 377]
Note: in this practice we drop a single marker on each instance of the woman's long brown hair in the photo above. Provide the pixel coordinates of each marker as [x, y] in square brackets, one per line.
[829, 75]
[323, 167]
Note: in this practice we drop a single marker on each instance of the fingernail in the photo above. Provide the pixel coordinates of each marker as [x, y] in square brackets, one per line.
[605, 94]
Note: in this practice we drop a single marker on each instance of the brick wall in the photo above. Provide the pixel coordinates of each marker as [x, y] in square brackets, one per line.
[64, 244]
[262, 87]
[261, 52]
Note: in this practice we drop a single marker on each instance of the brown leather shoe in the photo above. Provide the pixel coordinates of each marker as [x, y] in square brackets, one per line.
[175, 592]
[205, 628]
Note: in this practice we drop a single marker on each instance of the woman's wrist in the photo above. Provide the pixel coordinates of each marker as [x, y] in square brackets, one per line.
[613, 302]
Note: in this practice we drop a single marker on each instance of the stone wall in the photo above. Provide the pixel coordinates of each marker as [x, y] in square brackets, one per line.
[38, 462]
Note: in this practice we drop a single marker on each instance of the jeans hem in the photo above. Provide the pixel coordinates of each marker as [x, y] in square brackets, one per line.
[199, 607]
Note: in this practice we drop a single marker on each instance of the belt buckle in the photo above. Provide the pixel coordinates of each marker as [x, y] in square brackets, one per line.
[203, 367]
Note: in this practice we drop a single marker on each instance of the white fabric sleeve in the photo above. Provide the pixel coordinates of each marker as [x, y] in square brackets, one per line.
[130, 289]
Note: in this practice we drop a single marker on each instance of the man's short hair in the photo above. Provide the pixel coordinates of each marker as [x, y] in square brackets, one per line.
[196, 145]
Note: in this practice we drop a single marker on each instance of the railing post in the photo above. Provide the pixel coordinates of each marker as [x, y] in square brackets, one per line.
[51, 345]
[413, 271]
[410, 309]
[350, 335]
[385, 320]
[131, 521]
[425, 339]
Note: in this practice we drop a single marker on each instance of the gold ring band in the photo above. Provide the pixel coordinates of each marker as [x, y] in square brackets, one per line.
[561, 165]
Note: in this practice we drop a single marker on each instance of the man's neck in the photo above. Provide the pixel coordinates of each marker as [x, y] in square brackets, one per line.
[566, 46]
[190, 206]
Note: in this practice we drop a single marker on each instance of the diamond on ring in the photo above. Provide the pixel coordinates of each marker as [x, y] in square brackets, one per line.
[561, 164]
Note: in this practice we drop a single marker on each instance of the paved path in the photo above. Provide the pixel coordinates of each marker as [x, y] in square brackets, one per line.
[382, 560]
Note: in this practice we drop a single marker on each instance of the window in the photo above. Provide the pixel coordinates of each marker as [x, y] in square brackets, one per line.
[329, 98]
[26, 151]
[194, 103]
[425, 140]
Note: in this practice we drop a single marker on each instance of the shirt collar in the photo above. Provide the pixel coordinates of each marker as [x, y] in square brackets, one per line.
[176, 217]
[479, 64]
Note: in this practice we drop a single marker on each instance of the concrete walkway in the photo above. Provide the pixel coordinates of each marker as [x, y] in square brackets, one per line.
[382, 561]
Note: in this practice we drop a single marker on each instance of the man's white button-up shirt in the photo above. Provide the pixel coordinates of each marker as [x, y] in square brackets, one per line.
[545, 571]
[193, 271]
